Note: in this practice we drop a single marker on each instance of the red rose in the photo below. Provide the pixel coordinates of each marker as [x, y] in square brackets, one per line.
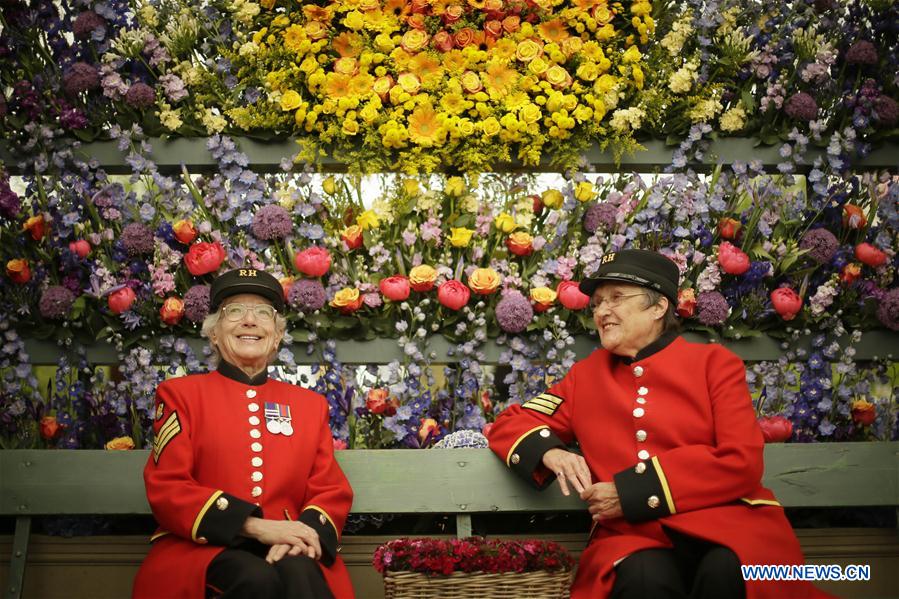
[121, 300]
[863, 412]
[185, 232]
[36, 226]
[870, 255]
[313, 261]
[850, 272]
[538, 204]
[686, 303]
[50, 428]
[80, 247]
[286, 285]
[786, 302]
[378, 402]
[486, 403]
[520, 243]
[443, 41]
[571, 297]
[339, 444]
[429, 429]
[853, 217]
[732, 259]
[172, 310]
[395, 288]
[728, 228]
[17, 270]
[453, 294]
[775, 429]
[203, 258]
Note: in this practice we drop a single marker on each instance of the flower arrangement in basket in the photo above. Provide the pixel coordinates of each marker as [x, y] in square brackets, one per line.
[473, 567]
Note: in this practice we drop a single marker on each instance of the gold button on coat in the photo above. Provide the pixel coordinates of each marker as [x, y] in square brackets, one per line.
[256, 492]
[643, 454]
[545, 433]
[515, 459]
[638, 412]
[653, 502]
[322, 519]
[221, 503]
[640, 468]
[641, 436]
[253, 407]
[251, 393]
[638, 371]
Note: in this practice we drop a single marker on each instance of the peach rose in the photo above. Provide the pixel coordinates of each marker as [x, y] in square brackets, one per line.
[484, 281]
[120, 443]
[347, 300]
[422, 277]
[172, 310]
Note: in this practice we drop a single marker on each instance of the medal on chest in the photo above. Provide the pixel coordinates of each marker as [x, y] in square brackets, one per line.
[278, 419]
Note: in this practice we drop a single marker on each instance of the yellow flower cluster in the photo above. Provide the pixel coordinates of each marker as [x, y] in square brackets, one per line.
[426, 82]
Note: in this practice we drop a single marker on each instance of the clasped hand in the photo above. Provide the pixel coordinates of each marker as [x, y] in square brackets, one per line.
[571, 468]
[285, 537]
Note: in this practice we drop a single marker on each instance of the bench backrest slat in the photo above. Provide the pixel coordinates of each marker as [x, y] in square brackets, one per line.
[36, 482]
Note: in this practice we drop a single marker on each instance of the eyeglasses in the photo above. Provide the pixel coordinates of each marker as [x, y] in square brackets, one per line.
[613, 301]
[235, 312]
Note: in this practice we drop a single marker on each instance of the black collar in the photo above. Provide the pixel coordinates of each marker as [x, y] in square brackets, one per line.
[656, 346]
[228, 370]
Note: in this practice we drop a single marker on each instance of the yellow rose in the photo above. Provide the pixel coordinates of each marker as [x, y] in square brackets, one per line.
[120, 443]
[368, 220]
[584, 191]
[538, 66]
[528, 50]
[471, 82]
[455, 186]
[414, 40]
[422, 277]
[552, 198]
[460, 236]
[347, 296]
[290, 100]
[558, 76]
[411, 187]
[329, 186]
[354, 20]
[505, 222]
[543, 295]
[530, 114]
[605, 84]
[490, 126]
[484, 281]
[409, 82]
[350, 127]
[588, 71]
[465, 127]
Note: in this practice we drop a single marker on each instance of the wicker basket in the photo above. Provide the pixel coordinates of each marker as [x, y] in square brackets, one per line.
[461, 585]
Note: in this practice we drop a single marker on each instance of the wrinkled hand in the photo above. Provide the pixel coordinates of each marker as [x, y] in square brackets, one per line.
[279, 550]
[300, 538]
[603, 501]
[569, 468]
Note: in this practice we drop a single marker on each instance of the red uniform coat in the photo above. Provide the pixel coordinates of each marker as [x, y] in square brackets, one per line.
[215, 463]
[676, 431]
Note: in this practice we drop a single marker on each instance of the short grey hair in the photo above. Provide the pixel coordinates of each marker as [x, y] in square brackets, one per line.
[670, 321]
[212, 320]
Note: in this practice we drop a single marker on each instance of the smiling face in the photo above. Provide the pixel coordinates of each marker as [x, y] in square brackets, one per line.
[250, 341]
[624, 322]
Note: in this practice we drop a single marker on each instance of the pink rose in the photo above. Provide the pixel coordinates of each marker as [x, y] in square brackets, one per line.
[80, 247]
[786, 302]
[732, 259]
[571, 297]
[203, 258]
[121, 300]
[395, 288]
[686, 303]
[775, 429]
[313, 261]
[453, 294]
[870, 255]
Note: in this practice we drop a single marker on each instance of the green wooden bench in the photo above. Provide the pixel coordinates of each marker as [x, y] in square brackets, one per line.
[460, 482]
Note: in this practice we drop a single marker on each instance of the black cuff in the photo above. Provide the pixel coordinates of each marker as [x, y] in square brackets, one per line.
[327, 534]
[642, 495]
[527, 457]
[223, 520]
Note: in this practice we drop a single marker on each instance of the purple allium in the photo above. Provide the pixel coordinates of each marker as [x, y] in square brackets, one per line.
[887, 110]
[196, 303]
[56, 302]
[711, 308]
[72, 118]
[888, 309]
[9, 201]
[514, 312]
[820, 243]
[801, 106]
[86, 23]
[140, 95]
[137, 239]
[861, 52]
[600, 214]
[80, 77]
[272, 222]
[307, 295]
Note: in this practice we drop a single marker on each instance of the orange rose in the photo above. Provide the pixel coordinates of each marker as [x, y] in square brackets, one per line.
[17, 270]
[686, 303]
[520, 243]
[729, 228]
[185, 232]
[863, 412]
[452, 14]
[493, 28]
[443, 41]
[466, 37]
[352, 237]
[851, 272]
[512, 23]
[347, 300]
[121, 300]
[120, 443]
[428, 430]
[172, 310]
[854, 217]
[50, 427]
[286, 284]
[382, 86]
[484, 281]
[36, 226]
[422, 277]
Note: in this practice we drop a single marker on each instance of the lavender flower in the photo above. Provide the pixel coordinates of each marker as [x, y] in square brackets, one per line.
[514, 312]
[196, 303]
[887, 110]
[821, 245]
[140, 95]
[137, 239]
[307, 295]
[711, 308]
[888, 309]
[600, 214]
[271, 222]
[801, 106]
[56, 302]
[86, 23]
[80, 77]
[861, 52]
[173, 87]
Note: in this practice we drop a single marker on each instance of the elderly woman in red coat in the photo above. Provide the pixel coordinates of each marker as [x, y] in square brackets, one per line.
[242, 477]
[672, 453]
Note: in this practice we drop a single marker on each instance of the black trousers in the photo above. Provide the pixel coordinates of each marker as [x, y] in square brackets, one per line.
[242, 573]
[693, 569]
